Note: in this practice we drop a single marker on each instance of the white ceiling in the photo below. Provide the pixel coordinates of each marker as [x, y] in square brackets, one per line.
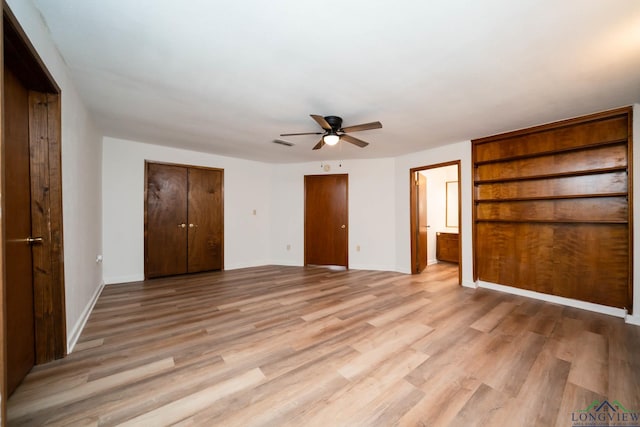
[228, 76]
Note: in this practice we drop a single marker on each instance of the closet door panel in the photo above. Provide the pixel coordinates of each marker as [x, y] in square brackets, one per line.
[205, 207]
[166, 217]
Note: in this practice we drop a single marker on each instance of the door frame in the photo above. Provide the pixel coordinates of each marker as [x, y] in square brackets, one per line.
[46, 180]
[413, 218]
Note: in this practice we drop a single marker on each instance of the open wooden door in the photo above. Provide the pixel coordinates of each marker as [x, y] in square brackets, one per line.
[418, 207]
[419, 223]
[32, 284]
[17, 215]
[326, 220]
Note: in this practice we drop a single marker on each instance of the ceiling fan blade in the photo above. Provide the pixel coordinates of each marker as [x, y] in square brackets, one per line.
[319, 145]
[356, 141]
[303, 133]
[321, 121]
[364, 126]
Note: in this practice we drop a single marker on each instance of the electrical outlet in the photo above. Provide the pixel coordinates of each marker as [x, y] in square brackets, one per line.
[288, 247]
[357, 248]
[255, 212]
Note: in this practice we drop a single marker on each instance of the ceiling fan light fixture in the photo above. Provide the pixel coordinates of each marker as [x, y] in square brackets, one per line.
[331, 138]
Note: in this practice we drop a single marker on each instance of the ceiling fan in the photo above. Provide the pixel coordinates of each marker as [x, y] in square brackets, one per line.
[334, 132]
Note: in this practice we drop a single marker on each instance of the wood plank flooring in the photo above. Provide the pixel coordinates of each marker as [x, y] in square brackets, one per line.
[293, 346]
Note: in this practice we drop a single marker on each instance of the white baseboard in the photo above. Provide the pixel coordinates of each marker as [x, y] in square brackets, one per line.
[612, 311]
[240, 265]
[72, 339]
[123, 279]
[469, 284]
[371, 267]
[632, 320]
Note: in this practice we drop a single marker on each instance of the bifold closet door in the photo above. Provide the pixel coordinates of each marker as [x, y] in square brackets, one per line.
[184, 220]
[166, 226]
[205, 220]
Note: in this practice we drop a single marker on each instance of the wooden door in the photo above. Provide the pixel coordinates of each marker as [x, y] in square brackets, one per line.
[46, 324]
[17, 213]
[421, 229]
[166, 220]
[183, 220]
[326, 220]
[205, 216]
[418, 211]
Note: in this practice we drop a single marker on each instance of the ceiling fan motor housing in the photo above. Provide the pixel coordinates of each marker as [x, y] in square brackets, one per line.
[335, 122]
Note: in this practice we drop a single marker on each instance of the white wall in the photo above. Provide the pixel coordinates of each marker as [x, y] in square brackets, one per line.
[371, 211]
[459, 151]
[246, 187]
[276, 192]
[436, 190]
[81, 187]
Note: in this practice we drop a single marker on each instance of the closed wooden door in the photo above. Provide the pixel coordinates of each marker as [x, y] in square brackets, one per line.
[184, 220]
[205, 215]
[326, 220]
[18, 257]
[166, 227]
[421, 229]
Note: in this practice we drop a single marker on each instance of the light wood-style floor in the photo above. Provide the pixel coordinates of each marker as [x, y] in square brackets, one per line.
[292, 346]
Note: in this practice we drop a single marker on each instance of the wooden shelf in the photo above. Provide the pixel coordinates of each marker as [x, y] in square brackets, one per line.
[554, 221]
[552, 175]
[543, 198]
[550, 152]
[552, 209]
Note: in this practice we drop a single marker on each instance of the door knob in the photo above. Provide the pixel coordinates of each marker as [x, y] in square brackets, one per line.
[343, 226]
[34, 240]
[183, 225]
[193, 225]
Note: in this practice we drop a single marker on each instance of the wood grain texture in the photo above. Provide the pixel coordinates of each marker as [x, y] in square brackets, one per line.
[551, 258]
[614, 156]
[58, 341]
[18, 273]
[586, 209]
[326, 220]
[3, 316]
[448, 247]
[562, 137]
[20, 56]
[601, 183]
[46, 222]
[205, 220]
[165, 220]
[552, 209]
[293, 346]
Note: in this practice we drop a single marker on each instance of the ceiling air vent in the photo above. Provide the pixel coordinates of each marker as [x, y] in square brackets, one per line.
[281, 142]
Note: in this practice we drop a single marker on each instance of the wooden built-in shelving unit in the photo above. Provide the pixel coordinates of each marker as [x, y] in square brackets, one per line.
[552, 209]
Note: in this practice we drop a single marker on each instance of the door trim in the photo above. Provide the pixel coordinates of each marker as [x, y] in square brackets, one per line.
[50, 314]
[412, 213]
